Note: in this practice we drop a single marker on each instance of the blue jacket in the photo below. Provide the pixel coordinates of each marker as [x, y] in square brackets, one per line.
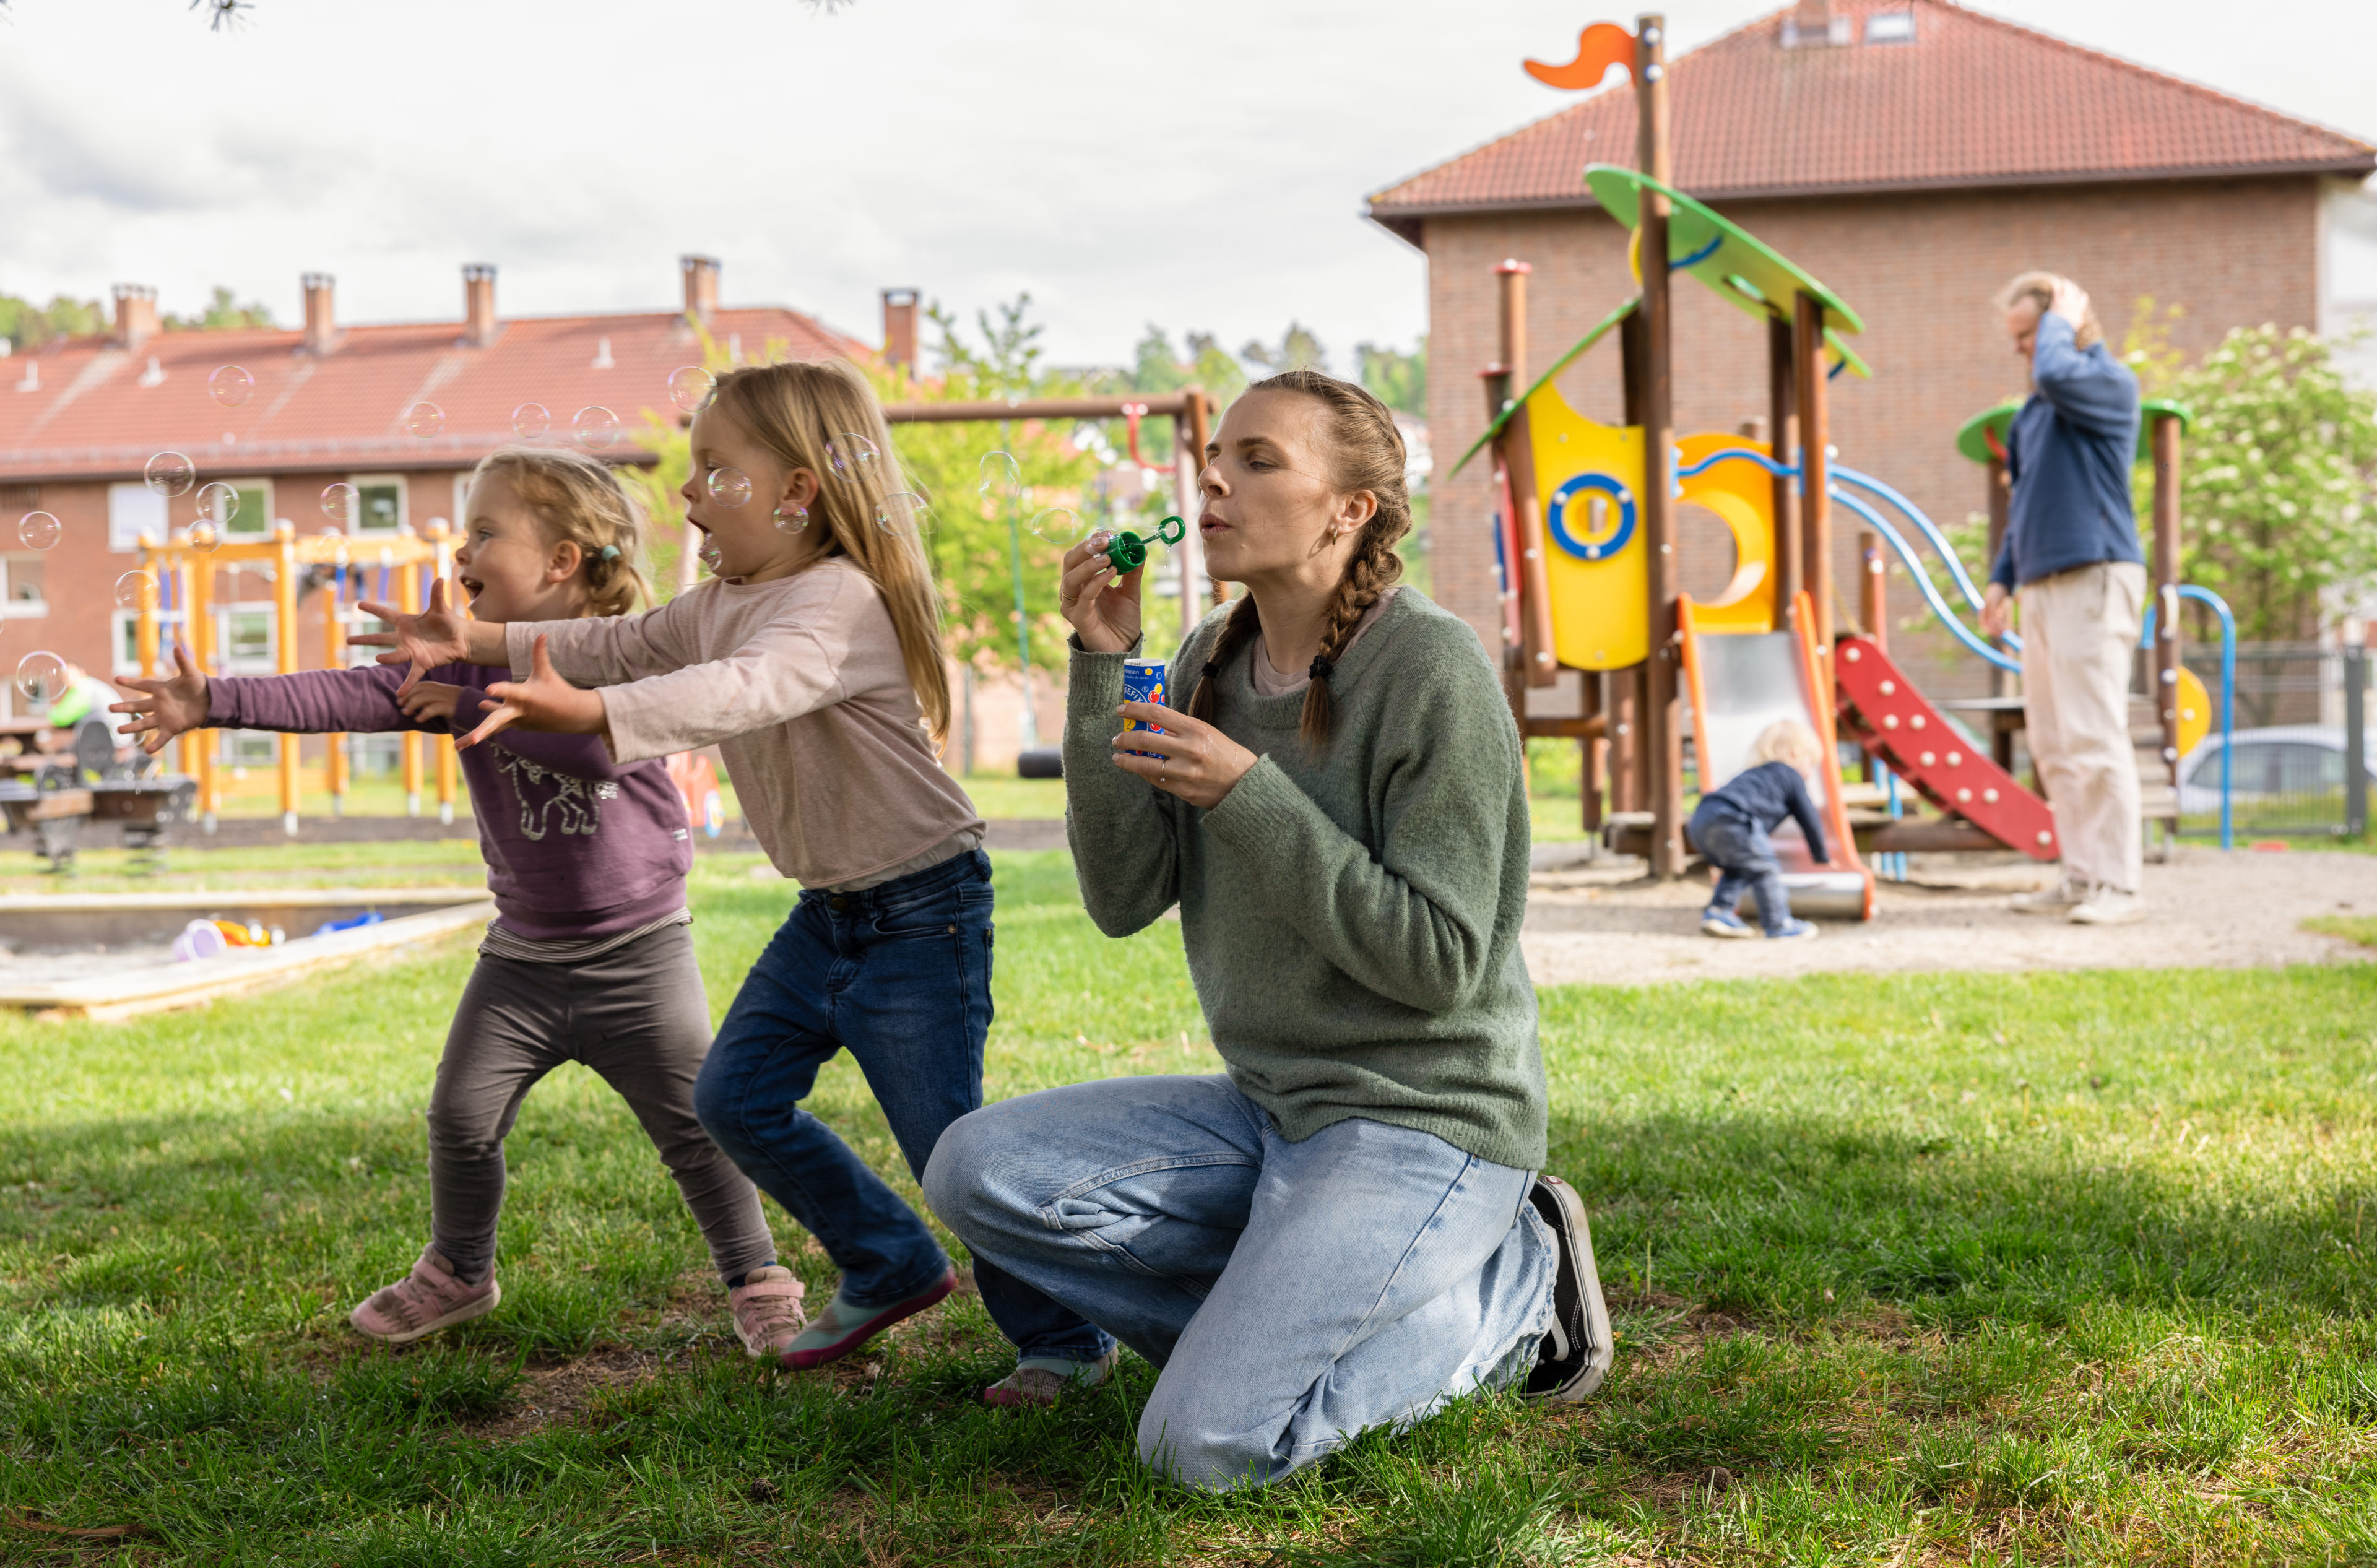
[1762, 796]
[2069, 454]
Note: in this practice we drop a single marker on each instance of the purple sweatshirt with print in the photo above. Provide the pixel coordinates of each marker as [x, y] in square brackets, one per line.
[576, 845]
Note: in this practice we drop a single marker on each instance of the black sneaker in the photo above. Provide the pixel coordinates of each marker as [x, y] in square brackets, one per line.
[1577, 1348]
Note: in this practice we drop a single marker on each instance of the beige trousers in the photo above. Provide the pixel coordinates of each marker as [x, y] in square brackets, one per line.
[2078, 630]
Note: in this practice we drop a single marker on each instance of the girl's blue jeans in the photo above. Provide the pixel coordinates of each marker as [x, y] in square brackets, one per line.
[899, 976]
[1294, 1294]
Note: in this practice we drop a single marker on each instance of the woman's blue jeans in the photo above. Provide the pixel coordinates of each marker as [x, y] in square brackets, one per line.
[1294, 1294]
[899, 976]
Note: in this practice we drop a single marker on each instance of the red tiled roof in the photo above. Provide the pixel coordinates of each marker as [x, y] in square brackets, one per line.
[90, 416]
[1970, 102]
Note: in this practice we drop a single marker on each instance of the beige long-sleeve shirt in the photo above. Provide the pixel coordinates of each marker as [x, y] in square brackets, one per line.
[800, 685]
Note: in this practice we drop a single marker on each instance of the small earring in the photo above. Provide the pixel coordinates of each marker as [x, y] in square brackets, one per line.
[793, 521]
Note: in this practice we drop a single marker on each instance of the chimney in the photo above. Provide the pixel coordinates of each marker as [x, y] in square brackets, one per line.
[1812, 25]
[479, 326]
[321, 329]
[700, 287]
[136, 315]
[900, 328]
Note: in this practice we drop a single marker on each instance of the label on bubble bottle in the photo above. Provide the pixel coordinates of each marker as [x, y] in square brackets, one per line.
[1142, 681]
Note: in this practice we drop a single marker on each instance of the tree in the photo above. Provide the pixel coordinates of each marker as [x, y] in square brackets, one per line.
[1298, 350]
[2280, 487]
[221, 312]
[1395, 378]
[29, 326]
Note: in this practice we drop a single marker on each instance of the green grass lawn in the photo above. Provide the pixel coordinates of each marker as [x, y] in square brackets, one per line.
[2057, 1269]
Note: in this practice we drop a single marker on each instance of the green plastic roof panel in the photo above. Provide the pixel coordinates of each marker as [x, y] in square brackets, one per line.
[1973, 439]
[1722, 254]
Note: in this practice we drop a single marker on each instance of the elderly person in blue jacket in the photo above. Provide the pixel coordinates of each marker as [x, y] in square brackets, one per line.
[2073, 561]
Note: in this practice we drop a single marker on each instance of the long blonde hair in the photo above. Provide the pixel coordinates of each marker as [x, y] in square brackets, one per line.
[581, 500]
[1364, 451]
[803, 413]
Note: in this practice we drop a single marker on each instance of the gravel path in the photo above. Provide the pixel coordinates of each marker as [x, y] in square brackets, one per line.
[2206, 910]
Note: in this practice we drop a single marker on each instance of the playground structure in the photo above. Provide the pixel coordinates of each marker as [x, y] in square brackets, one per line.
[1585, 533]
[184, 568]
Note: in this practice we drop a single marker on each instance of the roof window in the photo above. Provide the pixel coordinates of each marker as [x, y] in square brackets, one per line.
[1890, 27]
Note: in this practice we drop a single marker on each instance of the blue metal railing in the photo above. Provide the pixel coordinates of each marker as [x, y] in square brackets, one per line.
[2227, 693]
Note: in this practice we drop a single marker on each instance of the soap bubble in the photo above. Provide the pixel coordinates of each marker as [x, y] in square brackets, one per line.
[902, 513]
[204, 537]
[231, 386]
[170, 474]
[339, 505]
[852, 457]
[217, 504]
[710, 555]
[1061, 525]
[38, 531]
[136, 591]
[728, 486]
[691, 387]
[42, 676]
[997, 476]
[531, 421]
[424, 420]
[595, 428]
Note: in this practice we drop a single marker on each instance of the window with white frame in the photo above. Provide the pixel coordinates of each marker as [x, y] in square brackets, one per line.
[380, 504]
[249, 748]
[244, 638]
[133, 510]
[253, 517]
[126, 639]
[24, 586]
[460, 515]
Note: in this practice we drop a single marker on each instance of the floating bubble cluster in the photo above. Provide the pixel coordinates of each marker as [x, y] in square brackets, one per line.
[691, 387]
[217, 504]
[901, 514]
[595, 428]
[231, 386]
[42, 676]
[1060, 525]
[170, 473]
[136, 591]
[852, 457]
[728, 486]
[339, 504]
[424, 420]
[997, 478]
[204, 537]
[38, 531]
[531, 421]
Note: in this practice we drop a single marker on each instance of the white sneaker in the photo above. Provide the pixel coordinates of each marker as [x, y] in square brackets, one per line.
[2109, 906]
[2062, 899]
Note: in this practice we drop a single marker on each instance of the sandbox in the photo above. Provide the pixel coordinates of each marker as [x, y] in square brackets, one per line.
[109, 955]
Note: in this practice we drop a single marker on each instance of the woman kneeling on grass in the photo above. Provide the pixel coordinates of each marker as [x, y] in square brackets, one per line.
[1346, 1229]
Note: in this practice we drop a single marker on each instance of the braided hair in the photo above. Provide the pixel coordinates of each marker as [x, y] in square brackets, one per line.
[1365, 452]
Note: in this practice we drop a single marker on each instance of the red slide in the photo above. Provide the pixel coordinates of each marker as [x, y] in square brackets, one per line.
[1881, 710]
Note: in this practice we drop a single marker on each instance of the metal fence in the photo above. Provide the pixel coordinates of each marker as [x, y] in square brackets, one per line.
[2298, 758]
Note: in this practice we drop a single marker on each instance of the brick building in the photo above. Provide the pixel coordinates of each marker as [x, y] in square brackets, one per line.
[1914, 155]
[82, 417]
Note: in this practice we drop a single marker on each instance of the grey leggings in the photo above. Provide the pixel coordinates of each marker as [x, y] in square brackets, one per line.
[637, 1016]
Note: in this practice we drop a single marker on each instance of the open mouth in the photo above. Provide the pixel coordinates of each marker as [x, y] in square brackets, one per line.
[470, 585]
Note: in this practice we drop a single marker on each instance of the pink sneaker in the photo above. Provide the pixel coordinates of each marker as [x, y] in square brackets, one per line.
[424, 1302]
[768, 1314]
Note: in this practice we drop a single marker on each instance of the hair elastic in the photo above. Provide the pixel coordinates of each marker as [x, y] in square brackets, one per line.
[1212, 670]
[608, 553]
[1323, 668]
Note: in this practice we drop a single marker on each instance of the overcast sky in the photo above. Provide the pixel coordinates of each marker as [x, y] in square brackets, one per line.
[1199, 166]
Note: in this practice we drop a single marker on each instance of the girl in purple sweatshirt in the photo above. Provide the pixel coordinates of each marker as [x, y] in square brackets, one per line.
[590, 958]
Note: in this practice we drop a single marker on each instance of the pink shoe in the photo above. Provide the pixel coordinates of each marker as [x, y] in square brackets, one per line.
[768, 1314]
[424, 1302]
[843, 1328]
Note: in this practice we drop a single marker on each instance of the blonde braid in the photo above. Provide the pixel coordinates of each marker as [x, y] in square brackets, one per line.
[1370, 571]
[1236, 631]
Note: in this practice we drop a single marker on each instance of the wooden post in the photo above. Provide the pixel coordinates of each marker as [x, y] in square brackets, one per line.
[1873, 590]
[1201, 410]
[334, 657]
[1783, 425]
[2166, 584]
[1589, 750]
[441, 546]
[1517, 449]
[1815, 476]
[408, 599]
[1662, 713]
[284, 650]
[1625, 739]
[1999, 508]
[198, 606]
[1510, 660]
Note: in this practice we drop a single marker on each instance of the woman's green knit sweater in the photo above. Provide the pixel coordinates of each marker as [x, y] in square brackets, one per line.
[1352, 918]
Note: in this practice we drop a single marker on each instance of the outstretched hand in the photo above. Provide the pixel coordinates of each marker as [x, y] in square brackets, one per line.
[545, 702]
[423, 640]
[165, 709]
[437, 699]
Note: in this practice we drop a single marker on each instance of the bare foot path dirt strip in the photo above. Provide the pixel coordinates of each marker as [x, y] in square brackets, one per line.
[2206, 909]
